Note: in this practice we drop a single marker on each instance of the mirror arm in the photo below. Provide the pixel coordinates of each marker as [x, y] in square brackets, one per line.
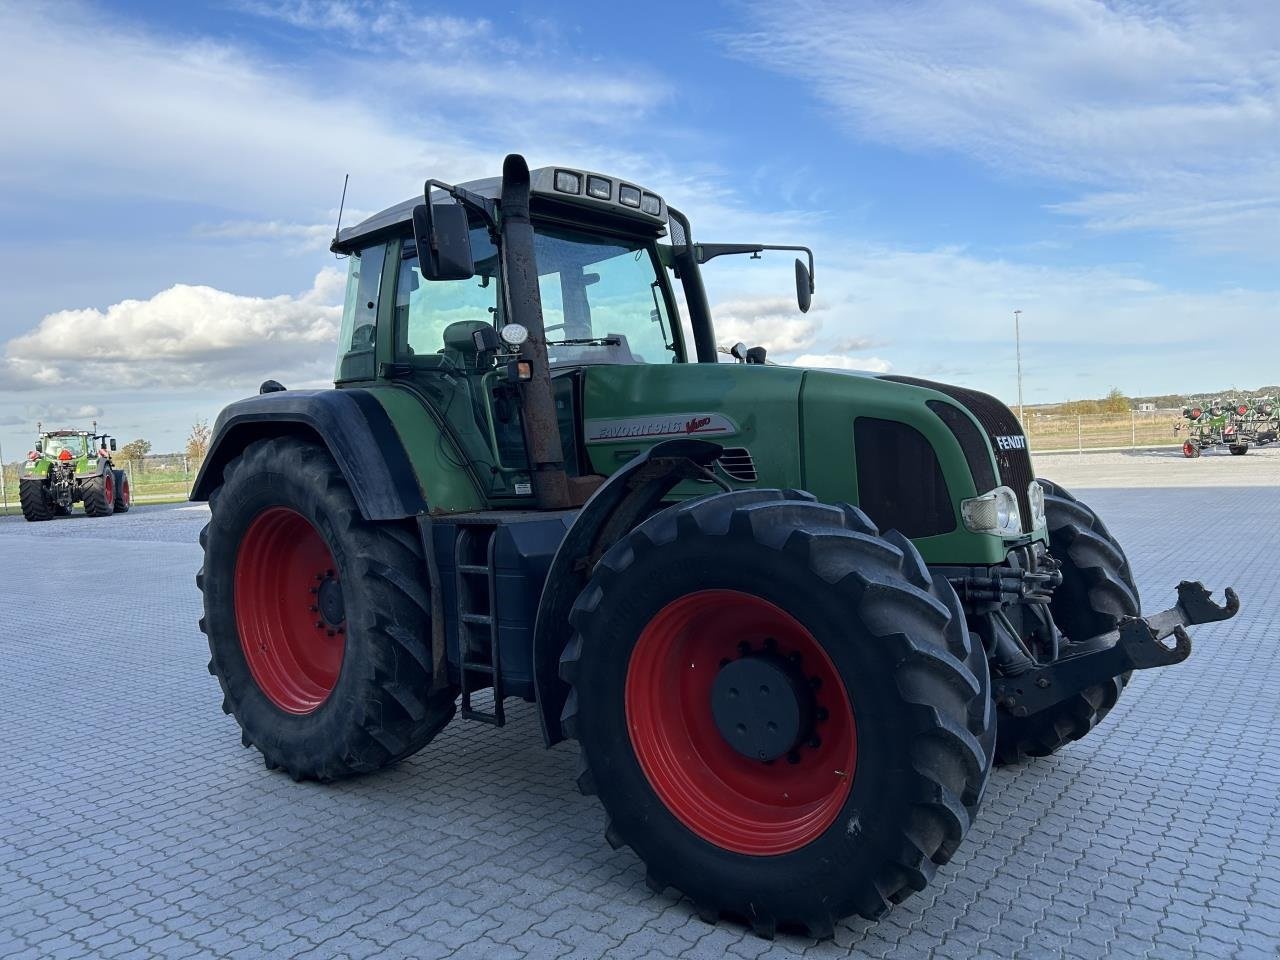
[709, 251]
[485, 206]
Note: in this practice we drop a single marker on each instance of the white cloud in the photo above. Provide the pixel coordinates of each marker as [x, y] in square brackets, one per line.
[1167, 114]
[840, 361]
[771, 322]
[129, 113]
[185, 336]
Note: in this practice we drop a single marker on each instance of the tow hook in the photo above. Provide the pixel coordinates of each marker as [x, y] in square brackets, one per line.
[1137, 644]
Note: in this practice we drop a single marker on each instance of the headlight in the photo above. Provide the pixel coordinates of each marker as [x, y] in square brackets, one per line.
[994, 512]
[1035, 495]
[567, 181]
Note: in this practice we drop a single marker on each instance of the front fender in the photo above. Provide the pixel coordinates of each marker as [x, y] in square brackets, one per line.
[622, 502]
[350, 424]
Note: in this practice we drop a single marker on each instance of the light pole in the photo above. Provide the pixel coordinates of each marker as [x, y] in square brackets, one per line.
[1017, 339]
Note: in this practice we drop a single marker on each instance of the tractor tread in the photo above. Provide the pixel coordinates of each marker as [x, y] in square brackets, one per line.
[34, 497]
[390, 711]
[919, 624]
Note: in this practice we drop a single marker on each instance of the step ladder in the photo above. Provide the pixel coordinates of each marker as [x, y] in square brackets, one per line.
[476, 587]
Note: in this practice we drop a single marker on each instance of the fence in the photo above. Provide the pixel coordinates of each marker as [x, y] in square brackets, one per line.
[1137, 428]
[169, 476]
[161, 477]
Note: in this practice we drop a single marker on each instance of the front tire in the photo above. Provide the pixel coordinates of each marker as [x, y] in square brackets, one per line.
[1238, 449]
[1096, 593]
[884, 776]
[123, 498]
[318, 621]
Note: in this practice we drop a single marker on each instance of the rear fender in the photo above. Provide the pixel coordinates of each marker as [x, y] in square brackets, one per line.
[621, 503]
[350, 424]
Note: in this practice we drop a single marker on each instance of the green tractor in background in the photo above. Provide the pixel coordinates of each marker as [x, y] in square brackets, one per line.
[68, 467]
[790, 616]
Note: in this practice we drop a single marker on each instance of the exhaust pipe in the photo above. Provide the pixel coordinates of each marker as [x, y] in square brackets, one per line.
[524, 306]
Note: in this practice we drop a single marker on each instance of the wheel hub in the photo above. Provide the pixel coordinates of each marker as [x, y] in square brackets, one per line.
[329, 601]
[763, 705]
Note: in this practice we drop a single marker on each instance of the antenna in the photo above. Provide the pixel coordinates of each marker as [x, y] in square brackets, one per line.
[341, 204]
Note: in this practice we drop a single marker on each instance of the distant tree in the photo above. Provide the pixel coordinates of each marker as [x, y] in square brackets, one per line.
[135, 451]
[198, 440]
[1116, 402]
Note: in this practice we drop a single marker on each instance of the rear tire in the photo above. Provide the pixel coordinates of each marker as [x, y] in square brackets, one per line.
[330, 683]
[123, 498]
[1238, 449]
[1190, 450]
[1097, 591]
[794, 842]
[36, 503]
[99, 495]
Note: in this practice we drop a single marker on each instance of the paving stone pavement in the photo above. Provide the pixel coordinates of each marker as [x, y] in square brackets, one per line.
[133, 824]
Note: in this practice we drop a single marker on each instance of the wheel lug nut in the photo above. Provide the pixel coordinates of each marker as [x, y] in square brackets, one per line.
[793, 658]
[793, 756]
[815, 742]
[744, 647]
[822, 714]
[329, 633]
[815, 682]
[319, 624]
[315, 609]
[770, 643]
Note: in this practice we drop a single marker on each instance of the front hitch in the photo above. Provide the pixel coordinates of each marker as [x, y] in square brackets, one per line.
[1137, 644]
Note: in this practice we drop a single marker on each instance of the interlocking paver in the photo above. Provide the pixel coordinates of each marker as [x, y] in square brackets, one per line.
[133, 824]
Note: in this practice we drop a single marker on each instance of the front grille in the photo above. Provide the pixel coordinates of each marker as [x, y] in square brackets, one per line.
[738, 463]
[1014, 465]
[900, 482]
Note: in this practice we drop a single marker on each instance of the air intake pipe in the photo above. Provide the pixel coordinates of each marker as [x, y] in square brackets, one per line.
[524, 306]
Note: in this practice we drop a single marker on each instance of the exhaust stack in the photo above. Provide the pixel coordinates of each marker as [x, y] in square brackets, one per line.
[524, 306]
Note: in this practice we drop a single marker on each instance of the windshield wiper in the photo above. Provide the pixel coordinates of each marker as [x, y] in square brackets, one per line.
[587, 342]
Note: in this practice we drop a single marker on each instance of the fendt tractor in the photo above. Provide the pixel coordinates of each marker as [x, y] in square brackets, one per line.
[68, 467]
[790, 616]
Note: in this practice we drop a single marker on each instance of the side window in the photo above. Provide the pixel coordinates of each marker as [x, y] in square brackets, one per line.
[360, 315]
[427, 309]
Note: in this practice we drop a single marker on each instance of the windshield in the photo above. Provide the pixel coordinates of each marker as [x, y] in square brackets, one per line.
[55, 445]
[602, 299]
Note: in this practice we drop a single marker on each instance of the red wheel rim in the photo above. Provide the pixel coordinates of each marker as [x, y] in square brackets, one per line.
[1188, 449]
[725, 798]
[124, 491]
[293, 651]
[109, 489]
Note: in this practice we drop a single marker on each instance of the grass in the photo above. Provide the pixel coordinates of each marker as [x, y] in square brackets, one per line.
[1118, 431]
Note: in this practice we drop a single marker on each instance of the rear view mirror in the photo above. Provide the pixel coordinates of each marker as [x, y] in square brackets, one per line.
[443, 238]
[39, 446]
[804, 286]
[113, 444]
[739, 352]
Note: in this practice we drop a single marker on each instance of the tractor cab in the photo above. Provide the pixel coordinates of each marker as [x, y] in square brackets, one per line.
[607, 256]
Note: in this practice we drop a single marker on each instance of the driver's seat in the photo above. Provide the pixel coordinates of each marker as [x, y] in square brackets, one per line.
[460, 345]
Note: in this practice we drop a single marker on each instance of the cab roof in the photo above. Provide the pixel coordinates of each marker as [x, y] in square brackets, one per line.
[393, 220]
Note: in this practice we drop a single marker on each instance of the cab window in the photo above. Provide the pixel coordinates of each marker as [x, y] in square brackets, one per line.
[602, 299]
[436, 318]
[360, 314]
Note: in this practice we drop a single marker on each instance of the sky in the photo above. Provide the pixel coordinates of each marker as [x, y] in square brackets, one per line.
[170, 177]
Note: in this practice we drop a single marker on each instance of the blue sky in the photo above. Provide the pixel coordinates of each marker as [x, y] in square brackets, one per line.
[171, 172]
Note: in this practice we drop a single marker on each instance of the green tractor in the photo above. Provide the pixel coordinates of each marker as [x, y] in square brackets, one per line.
[791, 617]
[68, 467]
